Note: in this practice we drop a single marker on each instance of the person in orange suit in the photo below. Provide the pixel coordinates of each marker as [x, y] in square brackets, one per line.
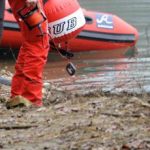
[26, 85]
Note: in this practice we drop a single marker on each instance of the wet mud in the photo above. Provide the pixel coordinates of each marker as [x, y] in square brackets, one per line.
[93, 120]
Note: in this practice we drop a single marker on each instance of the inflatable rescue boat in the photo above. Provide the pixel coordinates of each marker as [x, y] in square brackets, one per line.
[102, 32]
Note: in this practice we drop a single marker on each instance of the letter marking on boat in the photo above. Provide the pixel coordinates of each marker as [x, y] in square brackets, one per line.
[104, 21]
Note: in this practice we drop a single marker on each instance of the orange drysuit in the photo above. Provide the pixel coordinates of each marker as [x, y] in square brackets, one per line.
[27, 80]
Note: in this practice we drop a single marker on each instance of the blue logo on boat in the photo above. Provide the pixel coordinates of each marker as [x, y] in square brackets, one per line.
[104, 21]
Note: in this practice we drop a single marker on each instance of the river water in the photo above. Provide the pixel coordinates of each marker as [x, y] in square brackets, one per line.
[117, 75]
[113, 75]
[131, 75]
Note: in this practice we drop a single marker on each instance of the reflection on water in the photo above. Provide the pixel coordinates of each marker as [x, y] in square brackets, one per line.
[121, 75]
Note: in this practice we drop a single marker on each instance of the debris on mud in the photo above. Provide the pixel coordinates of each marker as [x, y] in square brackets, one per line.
[77, 121]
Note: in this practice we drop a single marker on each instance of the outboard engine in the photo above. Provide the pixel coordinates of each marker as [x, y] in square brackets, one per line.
[65, 19]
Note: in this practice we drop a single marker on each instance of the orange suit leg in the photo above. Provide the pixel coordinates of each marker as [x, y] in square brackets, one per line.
[27, 80]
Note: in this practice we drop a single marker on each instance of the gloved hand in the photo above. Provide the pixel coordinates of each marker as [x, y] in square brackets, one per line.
[31, 3]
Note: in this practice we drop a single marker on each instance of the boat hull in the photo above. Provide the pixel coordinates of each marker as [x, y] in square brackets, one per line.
[103, 32]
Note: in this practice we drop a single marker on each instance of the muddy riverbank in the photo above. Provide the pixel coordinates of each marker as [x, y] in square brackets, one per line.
[75, 121]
